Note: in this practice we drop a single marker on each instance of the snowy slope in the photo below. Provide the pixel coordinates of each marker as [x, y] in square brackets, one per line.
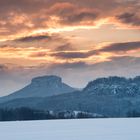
[91, 129]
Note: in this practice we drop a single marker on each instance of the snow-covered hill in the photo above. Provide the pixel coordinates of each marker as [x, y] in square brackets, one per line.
[91, 129]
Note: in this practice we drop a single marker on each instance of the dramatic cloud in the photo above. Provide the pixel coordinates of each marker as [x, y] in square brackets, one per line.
[121, 47]
[72, 14]
[20, 18]
[65, 47]
[38, 54]
[115, 47]
[2, 67]
[130, 18]
[85, 39]
[72, 55]
[32, 38]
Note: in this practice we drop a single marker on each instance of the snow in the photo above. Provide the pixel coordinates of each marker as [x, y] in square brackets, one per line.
[85, 129]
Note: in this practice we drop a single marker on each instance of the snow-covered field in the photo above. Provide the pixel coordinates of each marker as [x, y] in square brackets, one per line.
[91, 129]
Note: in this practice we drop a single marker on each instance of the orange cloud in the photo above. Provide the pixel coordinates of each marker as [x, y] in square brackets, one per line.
[54, 16]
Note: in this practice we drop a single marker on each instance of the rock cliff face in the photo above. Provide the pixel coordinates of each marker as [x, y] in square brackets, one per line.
[41, 87]
[46, 81]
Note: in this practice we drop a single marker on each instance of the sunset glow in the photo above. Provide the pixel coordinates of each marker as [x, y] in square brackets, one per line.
[88, 38]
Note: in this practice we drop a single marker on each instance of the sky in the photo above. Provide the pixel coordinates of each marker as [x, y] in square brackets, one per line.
[79, 40]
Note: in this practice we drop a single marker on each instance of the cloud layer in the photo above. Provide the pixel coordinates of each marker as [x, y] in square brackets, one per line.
[30, 16]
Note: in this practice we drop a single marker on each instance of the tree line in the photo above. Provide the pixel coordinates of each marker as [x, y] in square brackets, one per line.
[34, 114]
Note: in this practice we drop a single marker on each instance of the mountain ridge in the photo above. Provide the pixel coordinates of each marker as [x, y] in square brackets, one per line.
[111, 97]
[42, 86]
